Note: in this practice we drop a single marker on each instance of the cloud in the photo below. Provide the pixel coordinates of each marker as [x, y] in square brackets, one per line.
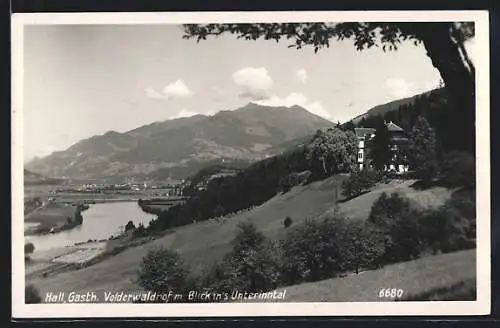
[255, 82]
[177, 89]
[184, 113]
[174, 90]
[400, 88]
[296, 98]
[153, 94]
[301, 76]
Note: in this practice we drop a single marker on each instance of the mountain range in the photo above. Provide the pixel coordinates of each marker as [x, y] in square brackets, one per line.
[178, 148]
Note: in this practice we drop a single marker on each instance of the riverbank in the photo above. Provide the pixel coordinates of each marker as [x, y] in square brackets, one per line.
[53, 218]
[157, 205]
[51, 262]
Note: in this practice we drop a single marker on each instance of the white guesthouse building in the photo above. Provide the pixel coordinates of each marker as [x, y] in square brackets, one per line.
[398, 142]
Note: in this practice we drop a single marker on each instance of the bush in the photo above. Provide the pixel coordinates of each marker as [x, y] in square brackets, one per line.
[162, 270]
[288, 222]
[322, 249]
[359, 182]
[398, 226]
[451, 227]
[31, 295]
[29, 248]
[293, 179]
[140, 231]
[130, 226]
[251, 266]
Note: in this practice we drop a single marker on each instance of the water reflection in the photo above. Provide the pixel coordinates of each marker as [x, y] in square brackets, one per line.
[100, 221]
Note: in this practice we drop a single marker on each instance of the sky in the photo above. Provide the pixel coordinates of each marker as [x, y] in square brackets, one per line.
[85, 80]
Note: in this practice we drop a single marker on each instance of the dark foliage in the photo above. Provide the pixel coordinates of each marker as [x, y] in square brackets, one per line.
[321, 249]
[423, 150]
[31, 295]
[161, 271]
[458, 170]
[251, 265]
[288, 222]
[331, 152]
[29, 248]
[379, 146]
[360, 182]
[129, 226]
[397, 225]
[140, 231]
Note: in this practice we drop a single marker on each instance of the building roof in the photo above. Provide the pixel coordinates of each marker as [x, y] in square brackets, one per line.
[393, 127]
[363, 132]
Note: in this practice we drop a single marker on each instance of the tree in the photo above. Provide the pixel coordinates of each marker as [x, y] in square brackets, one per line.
[332, 152]
[162, 270]
[251, 265]
[130, 226]
[423, 149]
[397, 225]
[29, 248]
[31, 295]
[379, 146]
[443, 42]
[348, 126]
[288, 222]
[219, 211]
[459, 170]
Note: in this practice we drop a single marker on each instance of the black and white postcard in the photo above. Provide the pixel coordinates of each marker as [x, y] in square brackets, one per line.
[250, 164]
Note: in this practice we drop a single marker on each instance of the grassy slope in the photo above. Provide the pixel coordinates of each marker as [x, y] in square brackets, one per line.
[360, 206]
[202, 243]
[414, 277]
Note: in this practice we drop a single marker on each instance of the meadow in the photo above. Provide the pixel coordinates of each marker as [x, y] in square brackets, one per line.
[201, 244]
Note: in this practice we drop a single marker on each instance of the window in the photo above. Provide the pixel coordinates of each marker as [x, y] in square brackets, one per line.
[360, 155]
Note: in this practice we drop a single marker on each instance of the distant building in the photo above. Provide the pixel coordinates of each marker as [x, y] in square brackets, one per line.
[398, 144]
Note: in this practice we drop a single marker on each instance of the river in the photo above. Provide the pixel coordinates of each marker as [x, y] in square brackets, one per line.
[100, 221]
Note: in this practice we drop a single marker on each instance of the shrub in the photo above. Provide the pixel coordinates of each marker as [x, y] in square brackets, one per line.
[451, 227]
[359, 182]
[398, 226]
[130, 226]
[140, 231]
[31, 295]
[288, 222]
[29, 248]
[162, 270]
[252, 265]
[322, 249]
[293, 179]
